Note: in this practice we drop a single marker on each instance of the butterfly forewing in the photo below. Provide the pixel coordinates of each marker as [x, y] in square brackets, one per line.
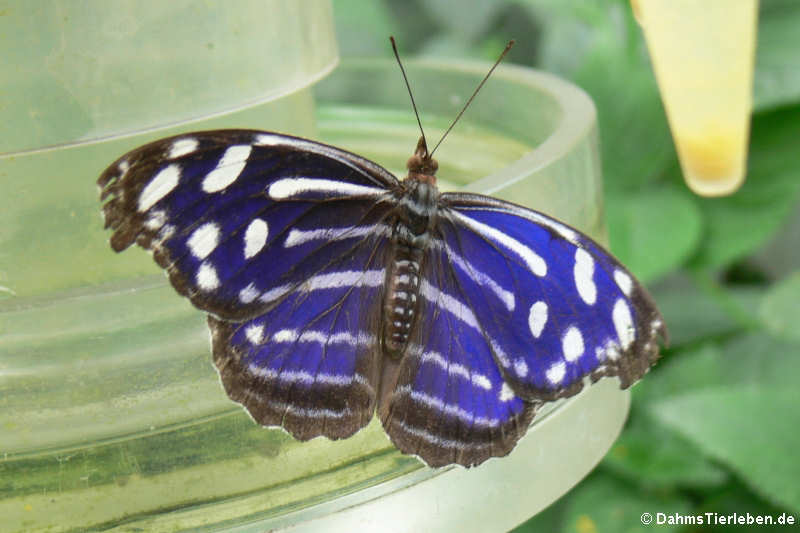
[557, 307]
[231, 214]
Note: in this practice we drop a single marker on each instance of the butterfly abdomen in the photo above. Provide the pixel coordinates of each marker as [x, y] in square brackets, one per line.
[415, 215]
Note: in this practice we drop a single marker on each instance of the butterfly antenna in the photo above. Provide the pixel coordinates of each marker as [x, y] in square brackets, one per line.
[499, 59]
[413, 103]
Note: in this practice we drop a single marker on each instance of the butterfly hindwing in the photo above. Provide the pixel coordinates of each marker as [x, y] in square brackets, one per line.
[310, 364]
[227, 213]
[450, 403]
[554, 306]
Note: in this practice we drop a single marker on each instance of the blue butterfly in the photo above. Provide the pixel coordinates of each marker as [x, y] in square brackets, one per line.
[334, 289]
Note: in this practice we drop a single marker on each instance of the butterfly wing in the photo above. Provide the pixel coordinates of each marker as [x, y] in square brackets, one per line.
[446, 399]
[218, 209]
[552, 304]
[310, 364]
[283, 242]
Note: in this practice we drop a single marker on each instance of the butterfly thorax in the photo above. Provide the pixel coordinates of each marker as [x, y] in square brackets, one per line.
[413, 219]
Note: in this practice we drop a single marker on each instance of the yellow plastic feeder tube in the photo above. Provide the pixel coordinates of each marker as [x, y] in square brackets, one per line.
[702, 54]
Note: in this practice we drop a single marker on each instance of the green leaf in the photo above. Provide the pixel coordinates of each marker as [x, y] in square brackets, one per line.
[681, 371]
[652, 231]
[738, 224]
[690, 312]
[550, 519]
[602, 503]
[753, 430]
[651, 455]
[780, 308]
[599, 47]
[757, 358]
[747, 359]
[781, 256]
[468, 18]
[777, 70]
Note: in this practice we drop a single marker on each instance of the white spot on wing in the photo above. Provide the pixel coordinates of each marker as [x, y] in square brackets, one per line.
[583, 273]
[228, 169]
[285, 335]
[207, 278]
[255, 237]
[447, 408]
[182, 147]
[331, 280]
[448, 303]
[265, 139]
[160, 186]
[275, 293]
[506, 394]
[521, 368]
[624, 281]
[307, 378]
[156, 220]
[537, 318]
[203, 240]
[554, 225]
[346, 278]
[555, 374]
[572, 344]
[456, 369]
[534, 262]
[166, 232]
[623, 323]
[438, 440]
[297, 237]
[361, 339]
[507, 297]
[482, 381]
[248, 294]
[254, 333]
[290, 187]
[501, 355]
[610, 351]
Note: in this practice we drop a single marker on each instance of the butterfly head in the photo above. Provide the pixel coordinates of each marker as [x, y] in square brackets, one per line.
[421, 166]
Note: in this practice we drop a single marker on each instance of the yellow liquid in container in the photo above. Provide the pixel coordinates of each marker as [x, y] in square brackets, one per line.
[702, 54]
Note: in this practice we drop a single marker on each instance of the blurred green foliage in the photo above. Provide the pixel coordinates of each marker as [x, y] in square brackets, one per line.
[715, 425]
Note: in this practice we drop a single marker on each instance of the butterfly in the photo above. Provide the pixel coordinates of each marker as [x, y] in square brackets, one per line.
[334, 290]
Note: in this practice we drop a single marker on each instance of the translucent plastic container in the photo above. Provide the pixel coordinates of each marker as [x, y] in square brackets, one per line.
[80, 71]
[111, 413]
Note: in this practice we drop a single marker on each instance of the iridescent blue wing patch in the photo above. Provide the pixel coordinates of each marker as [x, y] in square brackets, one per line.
[446, 400]
[552, 304]
[310, 364]
[226, 212]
